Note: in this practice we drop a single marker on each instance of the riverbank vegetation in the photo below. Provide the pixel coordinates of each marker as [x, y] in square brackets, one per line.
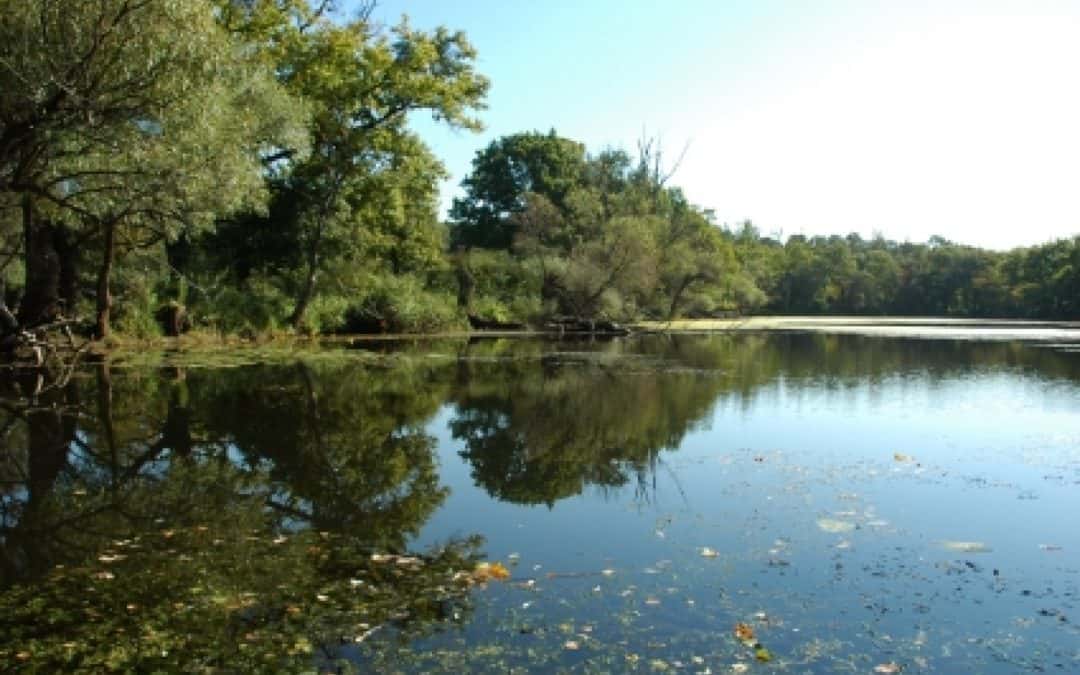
[261, 175]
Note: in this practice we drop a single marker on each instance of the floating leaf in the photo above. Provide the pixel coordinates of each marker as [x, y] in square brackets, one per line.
[744, 632]
[834, 526]
[966, 546]
[485, 571]
[763, 655]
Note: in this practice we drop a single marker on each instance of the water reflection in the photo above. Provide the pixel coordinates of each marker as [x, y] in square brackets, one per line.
[187, 517]
[540, 429]
[248, 518]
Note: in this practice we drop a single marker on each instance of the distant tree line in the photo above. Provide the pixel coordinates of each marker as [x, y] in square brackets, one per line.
[852, 275]
[247, 166]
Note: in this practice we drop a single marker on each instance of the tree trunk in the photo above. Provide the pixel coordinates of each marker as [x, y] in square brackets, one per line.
[41, 296]
[297, 318]
[676, 298]
[105, 417]
[176, 434]
[9, 325]
[67, 252]
[104, 295]
[466, 283]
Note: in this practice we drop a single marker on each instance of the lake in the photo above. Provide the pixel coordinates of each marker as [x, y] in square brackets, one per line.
[755, 501]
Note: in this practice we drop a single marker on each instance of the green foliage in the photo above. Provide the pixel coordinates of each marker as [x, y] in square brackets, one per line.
[850, 275]
[500, 286]
[364, 202]
[267, 158]
[503, 174]
[401, 304]
[123, 135]
[252, 308]
[140, 280]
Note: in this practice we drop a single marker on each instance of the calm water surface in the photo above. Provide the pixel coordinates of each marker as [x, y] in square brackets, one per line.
[856, 502]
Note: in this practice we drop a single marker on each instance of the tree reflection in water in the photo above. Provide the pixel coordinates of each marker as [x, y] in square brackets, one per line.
[188, 518]
[249, 518]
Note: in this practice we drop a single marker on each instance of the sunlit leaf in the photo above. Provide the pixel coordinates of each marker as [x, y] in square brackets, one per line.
[744, 632]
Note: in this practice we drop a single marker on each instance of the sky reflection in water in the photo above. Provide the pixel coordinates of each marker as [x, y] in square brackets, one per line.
[861, 501]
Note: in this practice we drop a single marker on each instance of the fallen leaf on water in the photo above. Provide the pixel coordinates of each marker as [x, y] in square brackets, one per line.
[966, 546]
[485, 571]
[744, 632]
[739, 667]
[763, 655]
[834, 526]
[900, 457]
[891, 667]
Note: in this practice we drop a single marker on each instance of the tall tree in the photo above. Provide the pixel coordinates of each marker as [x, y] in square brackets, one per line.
[110, 120]
[369, 187]
[503, 173]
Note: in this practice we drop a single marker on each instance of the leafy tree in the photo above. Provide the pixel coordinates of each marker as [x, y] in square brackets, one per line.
[113, 129]
[503, 174]
[364, 202]
[368, 175]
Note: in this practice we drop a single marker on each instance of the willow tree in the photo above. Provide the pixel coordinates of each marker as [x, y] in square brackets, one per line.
[125, 121]
[367, 193]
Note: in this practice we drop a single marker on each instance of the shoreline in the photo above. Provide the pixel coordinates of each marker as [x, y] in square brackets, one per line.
[919, 327]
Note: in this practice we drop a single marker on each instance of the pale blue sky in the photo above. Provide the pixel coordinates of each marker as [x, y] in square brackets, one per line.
[951, 117]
